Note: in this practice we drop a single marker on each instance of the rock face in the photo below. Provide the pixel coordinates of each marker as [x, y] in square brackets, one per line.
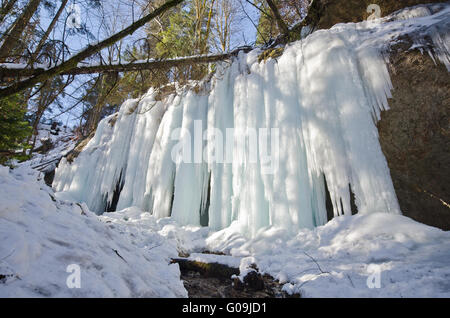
[415, 132]
[415, 136]
[343, 11]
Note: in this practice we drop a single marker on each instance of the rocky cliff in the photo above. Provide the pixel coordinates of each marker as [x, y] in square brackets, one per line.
[414, 133]
[415, 136]
[327, 13]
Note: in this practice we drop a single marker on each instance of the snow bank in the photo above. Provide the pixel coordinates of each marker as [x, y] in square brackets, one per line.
[127, 253]
[41, 237]
[337, 259]
[323, 95]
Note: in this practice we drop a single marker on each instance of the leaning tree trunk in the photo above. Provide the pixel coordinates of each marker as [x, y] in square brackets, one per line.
[281, 25]
[14, 36]
[47, 33]
[95, 115]
[6, 9]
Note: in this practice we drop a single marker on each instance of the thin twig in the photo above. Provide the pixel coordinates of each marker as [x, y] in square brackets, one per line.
[117, 253]
[318, 266]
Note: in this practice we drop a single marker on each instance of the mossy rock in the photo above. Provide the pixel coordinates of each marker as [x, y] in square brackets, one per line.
[71, 155]
[271, 53]
[217, 270]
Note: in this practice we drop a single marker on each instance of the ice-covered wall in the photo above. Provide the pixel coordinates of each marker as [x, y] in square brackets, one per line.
[323, 95]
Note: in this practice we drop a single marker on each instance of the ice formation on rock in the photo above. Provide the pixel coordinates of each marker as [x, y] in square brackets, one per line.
[324, 95]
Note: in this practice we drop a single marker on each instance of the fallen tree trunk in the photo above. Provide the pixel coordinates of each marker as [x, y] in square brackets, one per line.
[71, 66]
[15, 72]
[207, 269]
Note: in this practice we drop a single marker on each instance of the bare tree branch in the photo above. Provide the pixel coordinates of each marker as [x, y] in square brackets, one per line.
[72, 62]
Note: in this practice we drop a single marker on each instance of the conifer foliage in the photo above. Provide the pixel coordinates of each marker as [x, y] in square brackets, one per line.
[14, 128]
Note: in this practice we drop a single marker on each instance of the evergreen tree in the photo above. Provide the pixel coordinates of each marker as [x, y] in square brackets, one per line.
[14, 129]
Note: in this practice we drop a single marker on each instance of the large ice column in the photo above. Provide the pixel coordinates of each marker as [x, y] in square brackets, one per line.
[95, 174]
[191, 176]
[159, 182]
[148, 118]
[250, 205]
[113, 158]
[296, 174]
[320, 96]
[338, 110]
[221, 118]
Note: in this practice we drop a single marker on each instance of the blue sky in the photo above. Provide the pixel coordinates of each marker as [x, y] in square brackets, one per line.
[101, 21]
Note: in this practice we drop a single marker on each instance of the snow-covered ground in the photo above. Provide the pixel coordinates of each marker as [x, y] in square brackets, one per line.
[337, 259]
[334, 260]
[41, 237]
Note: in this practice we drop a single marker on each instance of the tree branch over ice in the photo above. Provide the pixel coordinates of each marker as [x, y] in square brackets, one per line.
[6, 72]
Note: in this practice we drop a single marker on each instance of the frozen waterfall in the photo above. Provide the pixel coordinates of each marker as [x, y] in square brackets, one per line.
[319, 103]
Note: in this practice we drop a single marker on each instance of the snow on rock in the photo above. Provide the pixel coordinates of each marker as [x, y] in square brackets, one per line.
[51, 143]
[119, 255]
[323, 95]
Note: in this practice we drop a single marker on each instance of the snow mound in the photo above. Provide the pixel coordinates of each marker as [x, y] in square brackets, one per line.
[41, 237]
[127, 253]
[338, 259]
